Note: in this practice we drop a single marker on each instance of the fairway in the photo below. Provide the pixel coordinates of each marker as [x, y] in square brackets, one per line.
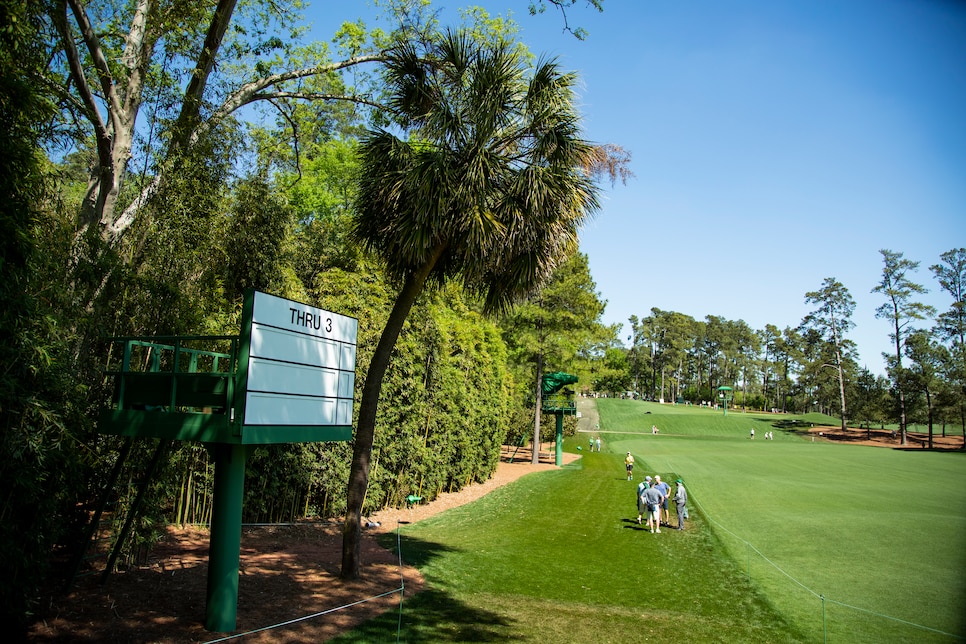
[879, 533]
[790, 540]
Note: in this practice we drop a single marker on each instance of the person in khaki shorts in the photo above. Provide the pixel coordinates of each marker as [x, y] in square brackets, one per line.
[652, 497]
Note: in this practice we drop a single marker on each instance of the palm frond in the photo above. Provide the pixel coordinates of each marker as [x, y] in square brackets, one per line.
[494, 169]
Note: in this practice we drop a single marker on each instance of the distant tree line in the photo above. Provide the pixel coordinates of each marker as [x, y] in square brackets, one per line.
[813, 366]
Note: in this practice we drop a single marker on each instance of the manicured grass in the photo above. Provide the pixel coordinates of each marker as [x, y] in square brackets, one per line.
[557, 556]
[877, 529]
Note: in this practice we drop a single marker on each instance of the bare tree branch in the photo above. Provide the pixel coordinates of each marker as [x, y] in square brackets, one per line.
[191, 107]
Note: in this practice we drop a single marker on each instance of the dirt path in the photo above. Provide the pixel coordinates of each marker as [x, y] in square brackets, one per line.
[886, 438]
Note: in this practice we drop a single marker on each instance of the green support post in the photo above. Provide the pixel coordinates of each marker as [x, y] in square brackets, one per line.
[725, 395]
[558, 405]
[225, 540]
[559, 450]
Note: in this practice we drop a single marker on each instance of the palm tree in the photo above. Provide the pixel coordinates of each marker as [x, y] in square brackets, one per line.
[490, 188]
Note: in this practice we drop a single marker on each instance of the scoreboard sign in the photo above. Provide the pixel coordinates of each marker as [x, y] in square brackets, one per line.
[298, 373]
[287, 378]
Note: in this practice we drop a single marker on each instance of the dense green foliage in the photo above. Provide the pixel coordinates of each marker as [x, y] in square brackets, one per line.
[159, 232]
[556, 330]
[40, 411]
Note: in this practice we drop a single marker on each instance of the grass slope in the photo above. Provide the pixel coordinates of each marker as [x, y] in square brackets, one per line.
[559, 556]
[879, 533]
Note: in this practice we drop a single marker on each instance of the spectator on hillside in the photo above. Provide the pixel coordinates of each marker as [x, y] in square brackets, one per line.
[681, 503]
[598, 443]
[641, 508]
[652, 499]
[629, 466]
[665, 492]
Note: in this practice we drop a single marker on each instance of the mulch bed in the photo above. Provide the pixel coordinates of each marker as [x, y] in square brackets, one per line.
[286, 573]
[885, 438]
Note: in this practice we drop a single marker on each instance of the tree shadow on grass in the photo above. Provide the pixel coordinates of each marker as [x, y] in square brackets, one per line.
[788, 424]
[433, 614]
[415, 552]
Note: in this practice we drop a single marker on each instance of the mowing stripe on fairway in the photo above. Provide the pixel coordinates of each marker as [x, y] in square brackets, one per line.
[877, 529]
[569, 539]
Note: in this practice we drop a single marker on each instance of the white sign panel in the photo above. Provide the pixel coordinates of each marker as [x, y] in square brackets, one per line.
[282, 409]
[269, 375]
[301, 368]
[286, 346]
[280, 313]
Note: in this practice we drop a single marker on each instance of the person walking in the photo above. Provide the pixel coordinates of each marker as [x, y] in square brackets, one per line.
[629, 466]
[681, 503]
[665, 492]
[598, 444]
[652, 500]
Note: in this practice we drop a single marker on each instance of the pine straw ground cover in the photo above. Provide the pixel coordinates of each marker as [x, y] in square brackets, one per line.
[286, 573]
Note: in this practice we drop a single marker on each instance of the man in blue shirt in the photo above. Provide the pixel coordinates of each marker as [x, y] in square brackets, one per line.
[665, 492]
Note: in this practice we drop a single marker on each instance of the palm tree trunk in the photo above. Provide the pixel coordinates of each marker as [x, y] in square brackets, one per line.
[365, 431]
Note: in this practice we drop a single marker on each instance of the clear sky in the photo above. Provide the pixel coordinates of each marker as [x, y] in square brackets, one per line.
[775, 143]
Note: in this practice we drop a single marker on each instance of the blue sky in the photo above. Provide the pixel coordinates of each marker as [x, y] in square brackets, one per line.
[775, 143]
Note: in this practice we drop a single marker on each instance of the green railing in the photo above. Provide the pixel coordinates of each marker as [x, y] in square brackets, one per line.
[171, 373]
[559, 403]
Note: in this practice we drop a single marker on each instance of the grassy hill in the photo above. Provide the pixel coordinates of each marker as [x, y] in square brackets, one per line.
[790, 540]
[817, 520]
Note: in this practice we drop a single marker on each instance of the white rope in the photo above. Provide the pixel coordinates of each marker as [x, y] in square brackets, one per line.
[400, 590]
